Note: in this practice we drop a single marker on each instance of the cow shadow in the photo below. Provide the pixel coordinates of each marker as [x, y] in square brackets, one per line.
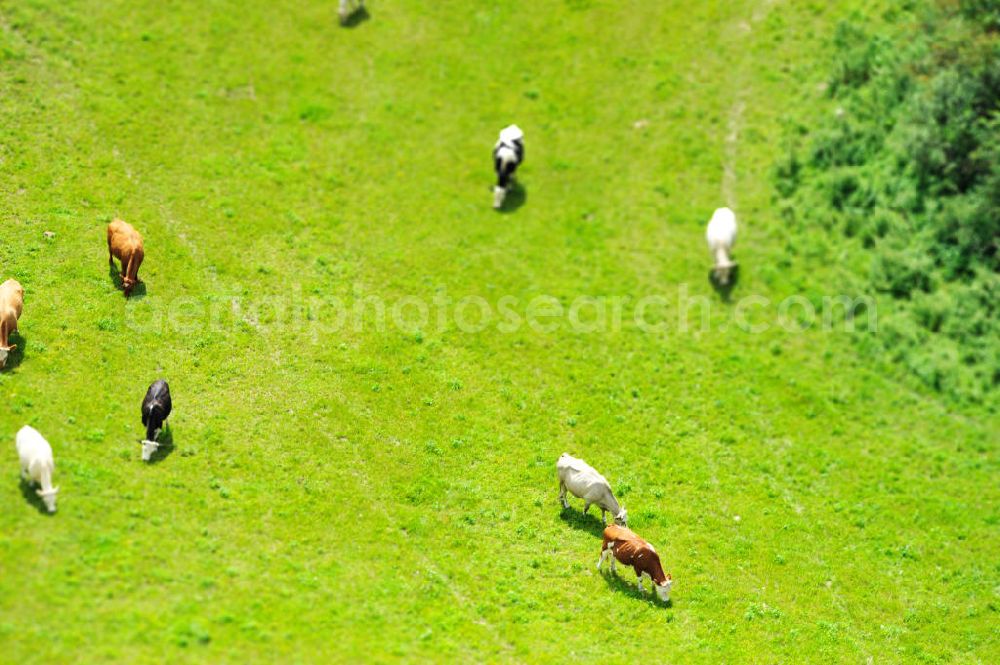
[28, 492]
[116, 277]
[516, 197]
[578, 520]
[166, 449]
[138, 291]
[724, 290]
[622, 584]
[356, 18]
[15, 357]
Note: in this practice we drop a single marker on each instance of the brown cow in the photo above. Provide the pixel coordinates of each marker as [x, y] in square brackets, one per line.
[11, 302]
[625, 546]
[125, 244]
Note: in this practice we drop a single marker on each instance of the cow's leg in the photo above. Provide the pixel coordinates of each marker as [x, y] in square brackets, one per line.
[604, 520]
[600, 560]
[639, 580]
[500, 190]
[586, 507]
[562, 494]
[649, 578]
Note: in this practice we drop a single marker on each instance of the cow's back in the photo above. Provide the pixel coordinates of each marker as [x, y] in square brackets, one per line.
[32, 447]
[123, 237]
[567, 466]
[627, 549]
[580, 478]
[119, 227]
[11, 297]
[505, 154]
[617, 536]
[721, 229]
[158, 391]
[157, 403]
[617, 532]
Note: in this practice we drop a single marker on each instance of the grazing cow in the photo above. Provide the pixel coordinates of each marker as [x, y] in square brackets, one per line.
[348, 7]
[721, 234]
[155, 411]
[583, 481]
[36, 464]
[125, 244]
[625, 546]
[11, 302]
[508, 153]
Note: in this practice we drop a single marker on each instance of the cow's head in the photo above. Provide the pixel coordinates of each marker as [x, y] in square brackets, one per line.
[128, 284]
[49, 497]
[148, 448]
[663, 590]
[499, 194]
[621, 519]
[4, 352]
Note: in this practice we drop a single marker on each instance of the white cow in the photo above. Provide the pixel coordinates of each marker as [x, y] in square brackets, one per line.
[348, 7]
[583, 481]
[37, 464]
[721, 235]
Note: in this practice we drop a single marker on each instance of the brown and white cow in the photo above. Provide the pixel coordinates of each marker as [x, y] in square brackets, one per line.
[11, 302]
[624, 545]
[125, 244]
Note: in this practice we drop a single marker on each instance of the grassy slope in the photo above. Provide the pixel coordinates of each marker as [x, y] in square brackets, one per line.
[370, 495]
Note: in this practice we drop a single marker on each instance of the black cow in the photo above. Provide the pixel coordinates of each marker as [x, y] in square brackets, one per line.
[155, 411]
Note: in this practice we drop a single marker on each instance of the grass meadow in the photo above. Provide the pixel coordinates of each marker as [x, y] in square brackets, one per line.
[350, 484]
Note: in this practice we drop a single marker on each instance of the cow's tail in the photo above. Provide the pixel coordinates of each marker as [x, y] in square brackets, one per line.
[127, 273]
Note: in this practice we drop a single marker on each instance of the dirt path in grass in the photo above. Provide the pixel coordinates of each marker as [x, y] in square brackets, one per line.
[743, 31]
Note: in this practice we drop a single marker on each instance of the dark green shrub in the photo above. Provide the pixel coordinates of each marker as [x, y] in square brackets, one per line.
[909, 163]
[984, 12]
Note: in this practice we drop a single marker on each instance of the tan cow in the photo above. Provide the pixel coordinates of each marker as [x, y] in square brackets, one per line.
[11, 302]
[625, 546]
[125, 244]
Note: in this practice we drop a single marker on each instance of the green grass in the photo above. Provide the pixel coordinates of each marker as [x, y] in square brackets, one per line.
[356, 494]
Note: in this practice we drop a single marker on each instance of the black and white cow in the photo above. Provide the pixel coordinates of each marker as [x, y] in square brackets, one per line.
[155, 410]
[348, 7]
[508, 154]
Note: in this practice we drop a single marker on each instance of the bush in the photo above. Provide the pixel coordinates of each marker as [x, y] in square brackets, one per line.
[909, 163]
